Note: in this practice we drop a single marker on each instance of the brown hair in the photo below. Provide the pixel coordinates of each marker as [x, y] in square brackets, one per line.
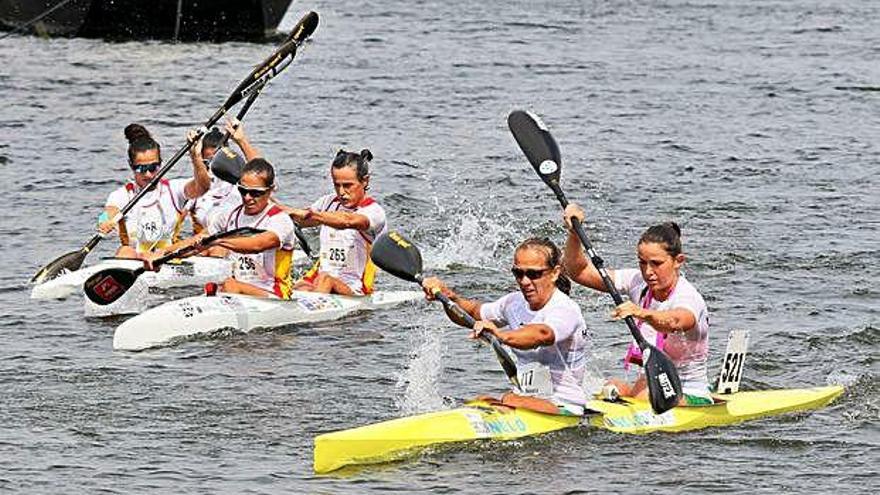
[552, 255]
[139, 140]
[668, 234]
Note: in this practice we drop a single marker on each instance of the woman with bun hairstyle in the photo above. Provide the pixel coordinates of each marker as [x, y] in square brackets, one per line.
[668, 309]
[155, 220]
[350, 221]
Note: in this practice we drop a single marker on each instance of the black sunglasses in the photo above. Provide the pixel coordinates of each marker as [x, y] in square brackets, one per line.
[146, 167]
[531, 273]
[254, 192]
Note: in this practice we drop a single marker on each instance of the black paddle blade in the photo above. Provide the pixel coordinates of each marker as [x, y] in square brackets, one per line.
[664, 385]
[398, 256]
[537, 144]
[66, 262]
[305, 27]
[109, 285]
[226, 165]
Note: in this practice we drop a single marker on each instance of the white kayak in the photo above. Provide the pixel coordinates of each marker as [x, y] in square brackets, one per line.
[191, 271]
[190, 317]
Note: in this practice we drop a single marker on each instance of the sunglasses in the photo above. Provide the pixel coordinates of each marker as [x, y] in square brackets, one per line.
[146, 167]
[255, 192]
[531, 273]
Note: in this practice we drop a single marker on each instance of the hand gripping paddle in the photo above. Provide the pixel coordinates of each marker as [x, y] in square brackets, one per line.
[398, 256]
[664, 385]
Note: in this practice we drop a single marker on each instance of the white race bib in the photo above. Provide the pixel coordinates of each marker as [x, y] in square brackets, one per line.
[534, 379]
[248, 267]
[336, 255]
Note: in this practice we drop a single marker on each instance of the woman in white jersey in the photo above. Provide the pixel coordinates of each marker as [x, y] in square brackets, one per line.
[155, 220]
[545, 329]
[668, 310]
[261, 263]
[222, 194]
[350, 221]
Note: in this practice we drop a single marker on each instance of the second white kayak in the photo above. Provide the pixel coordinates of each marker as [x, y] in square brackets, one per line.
[201, 315]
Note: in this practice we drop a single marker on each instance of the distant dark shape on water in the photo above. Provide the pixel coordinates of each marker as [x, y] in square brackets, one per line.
[184, 20]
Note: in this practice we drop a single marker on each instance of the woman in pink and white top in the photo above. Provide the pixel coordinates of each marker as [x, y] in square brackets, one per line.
[668, 309]
[155, 220]
[350, 221]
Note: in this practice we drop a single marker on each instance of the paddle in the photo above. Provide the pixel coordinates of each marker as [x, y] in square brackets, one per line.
[109, 285]
[253, 83]
[664, 385]
[398, 256]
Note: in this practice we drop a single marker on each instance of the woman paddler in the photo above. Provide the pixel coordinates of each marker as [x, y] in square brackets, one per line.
[544, 327]
[668, 310]
[222, 194]
[261, 263]
[350, 221]
[155, 220]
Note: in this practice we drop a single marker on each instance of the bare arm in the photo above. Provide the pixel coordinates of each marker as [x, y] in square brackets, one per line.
[574, 260]
[470, 306]
[201, 181]
[250, 245]
[337, 219]
[236, 132]
[664, 321]
[525, 337]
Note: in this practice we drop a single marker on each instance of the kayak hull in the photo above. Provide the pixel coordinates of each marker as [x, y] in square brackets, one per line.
[190, 317]
[399, 438]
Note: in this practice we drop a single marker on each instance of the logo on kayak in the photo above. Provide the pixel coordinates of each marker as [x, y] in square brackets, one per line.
[640, 419]
[496, 426]
[548, 167]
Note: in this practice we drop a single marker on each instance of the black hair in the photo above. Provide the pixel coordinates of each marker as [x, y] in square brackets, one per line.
[552, 255]
[361, 162]
[212, 139]
[139, 141]
[262, 167]
[668, 234]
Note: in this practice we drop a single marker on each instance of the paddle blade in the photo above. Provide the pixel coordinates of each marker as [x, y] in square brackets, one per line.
[398, 256]
[305, 27]
[109, 285]
[66, 262]
[537, 144]
[226, 165]
[664, 385]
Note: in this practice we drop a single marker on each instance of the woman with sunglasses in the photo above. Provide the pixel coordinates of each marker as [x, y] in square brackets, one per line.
[261, 263]
[350, 221]
[668, 310]
[155, 220]
[544, 327]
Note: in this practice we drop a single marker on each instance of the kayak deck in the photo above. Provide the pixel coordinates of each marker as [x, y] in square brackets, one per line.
[400, 438]
[202, 315]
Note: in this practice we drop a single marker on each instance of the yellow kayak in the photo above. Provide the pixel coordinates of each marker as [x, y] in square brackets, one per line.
[399, 438]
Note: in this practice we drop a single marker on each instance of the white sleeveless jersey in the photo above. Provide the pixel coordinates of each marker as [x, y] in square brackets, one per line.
[269, 270]
[688, 350]
[221, 197]
[566, 358]
[345, 253]
[155, 220]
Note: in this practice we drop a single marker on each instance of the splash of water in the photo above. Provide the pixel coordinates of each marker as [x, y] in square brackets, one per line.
[421, 377]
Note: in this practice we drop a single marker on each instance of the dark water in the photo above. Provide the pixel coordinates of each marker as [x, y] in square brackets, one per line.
[754, 124]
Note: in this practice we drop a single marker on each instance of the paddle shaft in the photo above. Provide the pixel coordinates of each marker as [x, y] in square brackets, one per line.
[599, 263]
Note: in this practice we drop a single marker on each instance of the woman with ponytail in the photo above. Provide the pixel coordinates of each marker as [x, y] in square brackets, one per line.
[668, 310]
[155, 220]
[350, 220]
[544, 328]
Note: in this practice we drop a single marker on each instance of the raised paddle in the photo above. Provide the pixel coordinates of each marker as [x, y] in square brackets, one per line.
[398, 256]
[269, 68]
[664, 385]
[109, 285]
